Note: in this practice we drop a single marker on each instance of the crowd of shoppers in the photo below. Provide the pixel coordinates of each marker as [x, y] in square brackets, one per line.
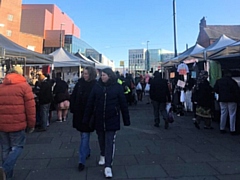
[98, 105]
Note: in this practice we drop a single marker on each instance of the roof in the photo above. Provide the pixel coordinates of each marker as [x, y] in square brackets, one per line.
[215, 31]
[12, 49]
[63, 58]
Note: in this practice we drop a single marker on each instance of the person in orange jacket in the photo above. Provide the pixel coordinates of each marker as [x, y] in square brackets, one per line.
[17, 114]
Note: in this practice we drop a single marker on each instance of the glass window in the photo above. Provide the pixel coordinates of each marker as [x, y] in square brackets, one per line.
[10, 17]
[9, 33]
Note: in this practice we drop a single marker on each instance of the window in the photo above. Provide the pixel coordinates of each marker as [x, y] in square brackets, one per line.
[10, 17]
[9, 33]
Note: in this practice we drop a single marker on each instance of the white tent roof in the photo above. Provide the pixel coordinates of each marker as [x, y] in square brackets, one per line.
[183, 56]
[99, 65]
[83, 57]
[219, 44]
[231, 50]
[63, 58]
[11, 49]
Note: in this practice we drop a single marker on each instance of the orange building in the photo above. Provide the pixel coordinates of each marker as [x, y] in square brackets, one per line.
[10, 22]
[48, 21]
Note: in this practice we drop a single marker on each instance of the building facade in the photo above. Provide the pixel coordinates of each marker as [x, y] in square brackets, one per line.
[142, 60]
[10, 26]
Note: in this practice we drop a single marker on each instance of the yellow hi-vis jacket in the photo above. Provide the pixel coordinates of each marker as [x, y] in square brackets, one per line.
[126, 88]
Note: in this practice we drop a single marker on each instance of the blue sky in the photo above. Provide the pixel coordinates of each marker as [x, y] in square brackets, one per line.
[113, 27]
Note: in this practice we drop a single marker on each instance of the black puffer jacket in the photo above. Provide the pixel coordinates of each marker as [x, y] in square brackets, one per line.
[78, 103]
[228, 89]
[159, 90]
[105, 102]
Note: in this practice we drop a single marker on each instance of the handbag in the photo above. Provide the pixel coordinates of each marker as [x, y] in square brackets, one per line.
[170, 115]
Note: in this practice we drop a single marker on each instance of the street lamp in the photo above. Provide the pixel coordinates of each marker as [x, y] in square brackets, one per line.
[61, 35]
[147, 57]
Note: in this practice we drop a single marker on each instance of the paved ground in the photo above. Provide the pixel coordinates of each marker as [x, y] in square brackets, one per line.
[142, 152]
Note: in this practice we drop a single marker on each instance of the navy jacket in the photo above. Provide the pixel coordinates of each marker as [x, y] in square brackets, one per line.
[105, 103]
[228, 89]
[159, 90]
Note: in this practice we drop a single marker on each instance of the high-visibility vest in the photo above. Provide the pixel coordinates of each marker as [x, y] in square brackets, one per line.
[126, 89]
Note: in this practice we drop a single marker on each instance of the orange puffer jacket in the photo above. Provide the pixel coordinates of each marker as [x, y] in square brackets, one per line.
[17, 105]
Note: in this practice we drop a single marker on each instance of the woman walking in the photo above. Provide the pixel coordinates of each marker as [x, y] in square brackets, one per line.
[78, 103]
[61, 98]
[204, 99]
[105, 102]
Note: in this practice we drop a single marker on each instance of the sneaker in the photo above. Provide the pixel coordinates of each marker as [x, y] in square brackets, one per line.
[233, 133]
[88, 156]
[101, 160]
[196, 125]
[81, 167]
[108, 172]
[41, 130]
[166, 125]
[222, 131]
[2, 174]
[64, 119]
[58, 120]
[156, 125]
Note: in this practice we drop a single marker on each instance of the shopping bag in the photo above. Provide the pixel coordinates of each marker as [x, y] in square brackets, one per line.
[139, 86]
[170, 115]
[147, 87]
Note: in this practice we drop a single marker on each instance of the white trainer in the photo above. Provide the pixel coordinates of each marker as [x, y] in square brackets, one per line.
[108, 172]
[101, 160]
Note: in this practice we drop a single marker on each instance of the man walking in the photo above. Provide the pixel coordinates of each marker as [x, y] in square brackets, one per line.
[160, 95]
[17, 112]
[229, 93]
[45, 98]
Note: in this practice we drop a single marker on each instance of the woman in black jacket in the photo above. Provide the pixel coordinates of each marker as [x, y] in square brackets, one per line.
[204, 99]
[105, 102]
[78, 103]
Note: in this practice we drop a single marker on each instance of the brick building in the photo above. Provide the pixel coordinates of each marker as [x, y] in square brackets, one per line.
[208, 34]
[10, 22]
[48, 21]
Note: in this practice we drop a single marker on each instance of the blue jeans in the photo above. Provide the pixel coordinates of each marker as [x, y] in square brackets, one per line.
[159, 107]
[84, 148]
[44, 110]
[12, 145]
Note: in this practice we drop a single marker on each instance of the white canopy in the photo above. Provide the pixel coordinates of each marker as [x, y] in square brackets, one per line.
[219, 44]
[63, 58]
[183, 56]
[97, 64]
[9, 49]
[231, 50]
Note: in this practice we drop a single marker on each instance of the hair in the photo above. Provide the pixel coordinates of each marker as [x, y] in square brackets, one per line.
[92, 72]
[110, 73]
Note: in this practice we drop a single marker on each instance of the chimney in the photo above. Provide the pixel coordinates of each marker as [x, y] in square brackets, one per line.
[203, 23]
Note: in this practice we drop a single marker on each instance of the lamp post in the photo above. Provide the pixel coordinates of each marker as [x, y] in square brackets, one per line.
[174, 27]
[147, 57]
[61, 35]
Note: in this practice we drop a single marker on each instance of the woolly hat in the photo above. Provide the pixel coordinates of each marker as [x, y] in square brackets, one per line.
[17, 69]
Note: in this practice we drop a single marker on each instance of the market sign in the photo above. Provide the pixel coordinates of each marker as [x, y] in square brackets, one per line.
[121, 63]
